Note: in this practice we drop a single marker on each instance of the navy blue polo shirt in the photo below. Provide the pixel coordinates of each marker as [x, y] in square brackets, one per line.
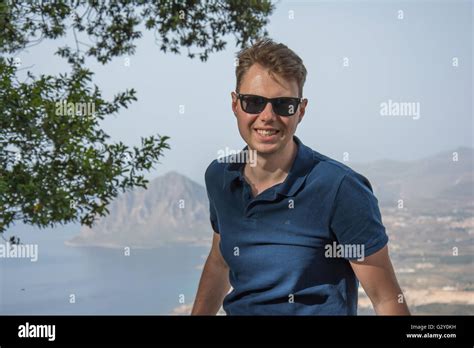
[288, 247]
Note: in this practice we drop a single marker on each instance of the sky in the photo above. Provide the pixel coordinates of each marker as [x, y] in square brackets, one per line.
[360, 56]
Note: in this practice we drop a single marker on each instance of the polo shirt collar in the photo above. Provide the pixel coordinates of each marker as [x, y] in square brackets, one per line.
[302, 165]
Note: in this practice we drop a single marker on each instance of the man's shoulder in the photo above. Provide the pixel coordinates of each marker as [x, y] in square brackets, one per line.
[330, 165]
[215, 169]
[215, 172]
[336, 171]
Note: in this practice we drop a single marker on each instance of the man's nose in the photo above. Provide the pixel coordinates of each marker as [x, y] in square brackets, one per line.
[267, 113]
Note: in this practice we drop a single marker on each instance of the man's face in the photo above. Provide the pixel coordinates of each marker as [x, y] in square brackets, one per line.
[257, 81]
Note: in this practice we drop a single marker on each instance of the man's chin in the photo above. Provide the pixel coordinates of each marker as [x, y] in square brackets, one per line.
[265, 148]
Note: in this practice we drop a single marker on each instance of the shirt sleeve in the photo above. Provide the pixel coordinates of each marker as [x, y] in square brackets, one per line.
[212, 208]
[356, 218]
[213, 215]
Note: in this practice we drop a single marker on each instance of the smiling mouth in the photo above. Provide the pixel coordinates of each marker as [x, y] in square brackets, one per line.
[267, 132]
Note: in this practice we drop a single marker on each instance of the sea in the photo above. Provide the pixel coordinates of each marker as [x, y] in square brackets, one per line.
[66, 280]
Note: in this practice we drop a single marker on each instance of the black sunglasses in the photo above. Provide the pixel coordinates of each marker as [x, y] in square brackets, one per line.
[255, 104]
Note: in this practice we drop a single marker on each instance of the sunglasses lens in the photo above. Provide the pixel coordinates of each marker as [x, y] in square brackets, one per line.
[253, 104]
[285, 106]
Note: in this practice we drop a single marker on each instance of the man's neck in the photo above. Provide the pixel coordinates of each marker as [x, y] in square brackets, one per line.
[272, 168]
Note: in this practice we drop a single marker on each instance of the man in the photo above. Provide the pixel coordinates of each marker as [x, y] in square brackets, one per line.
[297, 232]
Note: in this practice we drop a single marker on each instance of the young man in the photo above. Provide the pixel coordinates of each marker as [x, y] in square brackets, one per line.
[295, 233]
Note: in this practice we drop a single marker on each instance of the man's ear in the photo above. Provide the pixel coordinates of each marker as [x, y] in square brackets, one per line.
[234, 102]
[303, 105]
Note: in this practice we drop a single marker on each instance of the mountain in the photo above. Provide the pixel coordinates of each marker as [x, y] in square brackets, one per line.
[436, 182]
[174, 209]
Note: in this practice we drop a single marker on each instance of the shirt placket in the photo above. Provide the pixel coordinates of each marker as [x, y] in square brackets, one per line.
[251, 203]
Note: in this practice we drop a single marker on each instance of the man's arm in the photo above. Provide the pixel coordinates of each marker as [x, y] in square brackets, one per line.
[214, 283]
[378, 279]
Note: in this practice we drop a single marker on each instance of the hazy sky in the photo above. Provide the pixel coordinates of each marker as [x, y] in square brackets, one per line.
[387, 57]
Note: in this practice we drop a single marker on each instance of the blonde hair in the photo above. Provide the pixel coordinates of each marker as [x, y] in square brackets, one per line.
[276, 57]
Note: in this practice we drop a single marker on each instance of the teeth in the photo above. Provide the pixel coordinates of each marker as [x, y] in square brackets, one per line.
[266, 132]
